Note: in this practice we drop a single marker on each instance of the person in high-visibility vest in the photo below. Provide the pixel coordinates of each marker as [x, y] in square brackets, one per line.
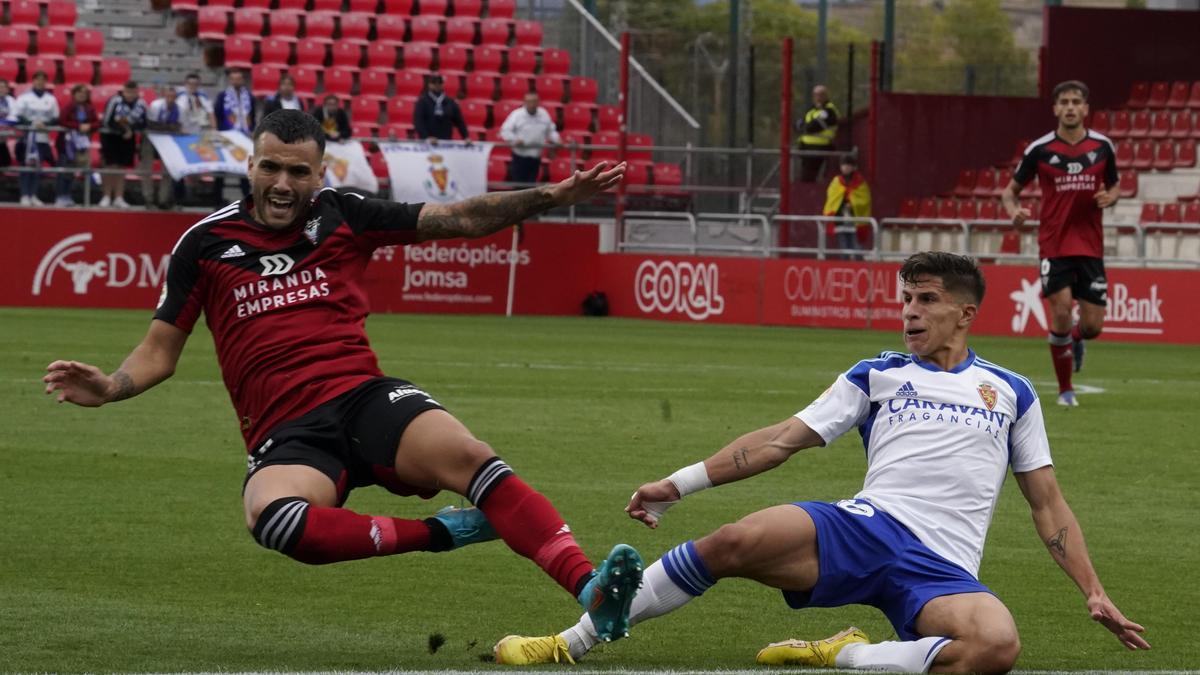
[849, 196]
[817, 130]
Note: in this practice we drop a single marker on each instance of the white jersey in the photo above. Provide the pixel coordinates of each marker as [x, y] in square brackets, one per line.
[939, 443]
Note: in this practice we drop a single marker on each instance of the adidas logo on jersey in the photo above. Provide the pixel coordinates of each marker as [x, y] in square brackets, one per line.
[234, 251]
[907, 390]
[1053, 159]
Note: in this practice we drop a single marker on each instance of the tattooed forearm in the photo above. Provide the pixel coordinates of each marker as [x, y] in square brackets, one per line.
[741, 458]
[1058, 543]
[483, 215]
[124, 386]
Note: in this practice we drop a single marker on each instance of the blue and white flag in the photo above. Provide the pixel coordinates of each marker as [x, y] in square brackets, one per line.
[346, 165]
[212, 152]
[442, 173]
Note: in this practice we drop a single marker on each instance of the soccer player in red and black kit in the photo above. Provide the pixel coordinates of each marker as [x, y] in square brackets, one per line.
[279, 277]
[1077, 169]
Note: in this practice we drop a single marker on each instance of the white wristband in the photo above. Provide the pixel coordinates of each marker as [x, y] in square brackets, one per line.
[690, 479]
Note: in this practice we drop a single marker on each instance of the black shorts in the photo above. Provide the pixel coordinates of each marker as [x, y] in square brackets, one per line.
[116, 150]
[352, 438]
[1084, 275]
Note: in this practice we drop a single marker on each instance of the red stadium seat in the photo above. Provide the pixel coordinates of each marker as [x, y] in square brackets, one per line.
[339, 81]
[638, 172]
[62, 14]
[227, 5]
[668, 174]
[381, 56]
[988, 209]
[365, 110]
[514, 87]
[418, 56]
[497, 171]
[264, 79]
[114, 71]
[909, 207]
[1171, 213]
[1194, 99]
[239, 52]
[398, 7]
[389, 29]
[355, 28]
[1191, 213]
[985, 183]
[409, 84]
[276, 51]
[487, 59]
[14, 42]
[638, 146]
[292, 5]
[584, 90]
[1160, 124]
[502, 109]
[257, 5]
[1178, 97]
[1159, 93]
[1150, 214]
[563, 168]
[1129, 184]
[1141, 124]
[468, 8]
[51, 41]
[481, 85]
[522, 60]
[528, 33]
[947, 209]
[504, 9]
[1125, 153]
[363, 129]
[425, 29]
[45, 64]
[609, 140]
[284, 25]
[346, 54]
[610, 117]
[318, 27]
[1164, 156]
[213, 23]
[373, 84]
[248, 22]
[330, 6]
[475, 112]
[311, 53]
[928, 209]
[494, 32]
[556, 61]
[364, 6]
[452, 59]
[400, 109]
[967, 209]
[24, 14]
[1139, 93]
[965, 185]
[432, 7]
[1143, 155]
[306, 80]
[578, 118]
[89, 44]
[1101, 122]
[1181, 124]
[1003, 177]
[1185, 154]
[461, 29]
[75, 71]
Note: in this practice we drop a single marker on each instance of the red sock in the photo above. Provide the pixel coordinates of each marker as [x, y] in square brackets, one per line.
[1063, 359]
[318, 535]
[531, 526]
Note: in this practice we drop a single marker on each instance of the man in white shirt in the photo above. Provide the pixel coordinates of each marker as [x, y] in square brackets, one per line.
[941, 428]
[195, 108]
[38, 109]
[529, 129]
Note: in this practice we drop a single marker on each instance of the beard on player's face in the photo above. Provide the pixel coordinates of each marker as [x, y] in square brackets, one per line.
[283, 179]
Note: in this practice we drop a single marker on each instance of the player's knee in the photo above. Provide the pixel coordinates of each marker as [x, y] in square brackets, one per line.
[996, 652]
[280, 524]
[465, 456]
[1090, 331]
[727, 550]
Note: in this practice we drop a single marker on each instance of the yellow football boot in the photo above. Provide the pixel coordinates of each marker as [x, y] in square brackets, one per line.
[819, 653]
[518, 650]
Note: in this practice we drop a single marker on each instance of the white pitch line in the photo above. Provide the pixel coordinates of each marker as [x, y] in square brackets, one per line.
[633, 671]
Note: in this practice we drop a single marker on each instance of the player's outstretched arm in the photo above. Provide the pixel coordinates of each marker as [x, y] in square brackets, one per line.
[149, 363]
[485, 214]
[748, 455]
[1058, 528]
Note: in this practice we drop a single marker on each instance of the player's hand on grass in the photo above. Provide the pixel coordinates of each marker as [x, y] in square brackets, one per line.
[1106, 613]
[1021, 216]
[651, 501]
[584, 185]
[1105, 199]
[78, 383]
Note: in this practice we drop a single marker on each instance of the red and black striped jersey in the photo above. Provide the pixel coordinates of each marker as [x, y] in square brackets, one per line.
[1070, 176]
[286, 308]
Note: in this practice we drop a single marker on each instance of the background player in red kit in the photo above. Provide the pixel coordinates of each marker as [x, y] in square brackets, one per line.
[1077, 170]
[278, 276]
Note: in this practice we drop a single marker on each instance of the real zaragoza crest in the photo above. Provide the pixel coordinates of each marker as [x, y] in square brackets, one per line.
[989, 395]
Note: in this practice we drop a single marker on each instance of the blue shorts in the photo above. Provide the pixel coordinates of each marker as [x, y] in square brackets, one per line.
[867, 557]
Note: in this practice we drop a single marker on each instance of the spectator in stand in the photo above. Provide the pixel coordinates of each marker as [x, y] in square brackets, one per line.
[74, 145]
[7, 105]
[529, 129]
[818, 130]
[164, 117]
[285, 98]
[196, 111]
[124, 117]
[334, 121]
[848, 196]
[235, 111]
[436, 115]
[38, 109]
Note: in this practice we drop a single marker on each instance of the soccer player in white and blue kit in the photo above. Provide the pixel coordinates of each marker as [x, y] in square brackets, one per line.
[941, 426]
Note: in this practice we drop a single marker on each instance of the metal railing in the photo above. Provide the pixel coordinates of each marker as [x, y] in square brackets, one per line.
[822, 250]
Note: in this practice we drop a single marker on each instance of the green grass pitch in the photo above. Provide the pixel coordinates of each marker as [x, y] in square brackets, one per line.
[123, 548]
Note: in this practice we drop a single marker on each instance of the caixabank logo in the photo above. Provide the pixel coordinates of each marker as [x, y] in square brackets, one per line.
[1129, 311]
[70, 262]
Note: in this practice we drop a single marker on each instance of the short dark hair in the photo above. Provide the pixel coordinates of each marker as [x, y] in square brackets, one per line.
[291, 126]
[331, 97]
[286, 78]
[849, 159]
[1070, 85]
[960, 274]
[39, 73]
[192, 76]
[130, 84]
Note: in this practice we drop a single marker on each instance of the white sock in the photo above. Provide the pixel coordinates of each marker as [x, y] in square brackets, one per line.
[657, 596]
[906, 657]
